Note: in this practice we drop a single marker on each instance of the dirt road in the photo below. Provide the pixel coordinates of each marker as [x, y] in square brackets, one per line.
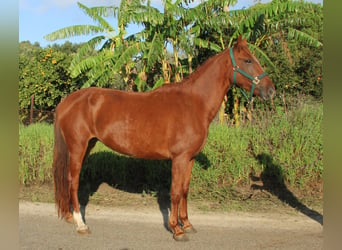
[118, 228]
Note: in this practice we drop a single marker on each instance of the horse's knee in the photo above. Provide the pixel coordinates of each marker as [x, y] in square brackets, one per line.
[175, 196]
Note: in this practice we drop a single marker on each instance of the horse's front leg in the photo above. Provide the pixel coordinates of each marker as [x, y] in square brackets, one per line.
[183, 210]
[177, 182]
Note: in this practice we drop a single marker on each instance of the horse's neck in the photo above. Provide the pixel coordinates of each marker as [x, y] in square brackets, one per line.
[212, 84]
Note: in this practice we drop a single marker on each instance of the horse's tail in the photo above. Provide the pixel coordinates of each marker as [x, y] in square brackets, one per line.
[61, 172]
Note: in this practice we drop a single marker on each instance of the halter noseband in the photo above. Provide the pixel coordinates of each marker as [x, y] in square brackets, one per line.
[236, 69]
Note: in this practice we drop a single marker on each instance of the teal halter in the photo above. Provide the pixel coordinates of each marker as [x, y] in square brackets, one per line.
[236, 69]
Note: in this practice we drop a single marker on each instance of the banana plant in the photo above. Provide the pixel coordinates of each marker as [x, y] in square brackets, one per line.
[277, 20]
[114, 53]
[275, 23]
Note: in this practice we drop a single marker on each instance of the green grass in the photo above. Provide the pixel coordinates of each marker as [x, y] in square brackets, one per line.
[295, 143]
[35, 153]
[277, 148]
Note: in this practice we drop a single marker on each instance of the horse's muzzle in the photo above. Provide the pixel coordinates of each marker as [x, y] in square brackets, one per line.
[267, 93]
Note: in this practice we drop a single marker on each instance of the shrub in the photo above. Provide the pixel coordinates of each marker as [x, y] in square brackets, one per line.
[288, 147]
[285, 147]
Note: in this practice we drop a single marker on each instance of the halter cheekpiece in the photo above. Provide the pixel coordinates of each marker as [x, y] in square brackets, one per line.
[236, 69]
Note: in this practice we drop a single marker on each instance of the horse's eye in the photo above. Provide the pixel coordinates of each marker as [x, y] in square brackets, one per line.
[248, 61]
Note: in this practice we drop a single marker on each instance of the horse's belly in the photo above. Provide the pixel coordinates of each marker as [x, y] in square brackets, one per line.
[142, 151]
[137, 144]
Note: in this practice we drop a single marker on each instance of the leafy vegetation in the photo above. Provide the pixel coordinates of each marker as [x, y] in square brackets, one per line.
[290, 142]
[35, 154]
[281, 140]
[190, 34]
[286, 36]
[44, 74]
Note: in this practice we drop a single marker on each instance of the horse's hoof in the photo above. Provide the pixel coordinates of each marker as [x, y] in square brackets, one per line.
[181, 237]
[189, 229]
[83, 230]
[70, 219]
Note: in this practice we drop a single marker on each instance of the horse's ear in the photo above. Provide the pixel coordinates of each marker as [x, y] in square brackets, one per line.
[240, 42]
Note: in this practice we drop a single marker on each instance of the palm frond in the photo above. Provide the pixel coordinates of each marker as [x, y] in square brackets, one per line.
[93, 13]
[272, 17]
[105, 11]
[144, 14]
[207, 44]
[75, 30]
[158, 83]
[85, 50]
[303, 37]
[91, 62]
[98, 77]
[154, 51]
[127, 55]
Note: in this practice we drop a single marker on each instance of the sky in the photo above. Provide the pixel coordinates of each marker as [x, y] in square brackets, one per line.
[38, 18]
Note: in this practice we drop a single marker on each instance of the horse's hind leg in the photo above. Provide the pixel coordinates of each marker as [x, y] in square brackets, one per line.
[76, 160]
[75, 169]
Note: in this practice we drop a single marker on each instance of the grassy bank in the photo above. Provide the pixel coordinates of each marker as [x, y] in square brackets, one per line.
[278, 149]
[35, 153]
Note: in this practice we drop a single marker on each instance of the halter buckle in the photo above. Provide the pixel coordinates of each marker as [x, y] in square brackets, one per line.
[256, 80]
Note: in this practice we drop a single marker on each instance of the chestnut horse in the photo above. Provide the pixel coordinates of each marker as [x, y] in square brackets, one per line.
[170, 122]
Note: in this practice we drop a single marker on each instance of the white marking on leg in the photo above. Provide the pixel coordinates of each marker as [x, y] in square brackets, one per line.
[81, 226]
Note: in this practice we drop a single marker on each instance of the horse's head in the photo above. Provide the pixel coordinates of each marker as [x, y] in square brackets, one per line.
[248, 73]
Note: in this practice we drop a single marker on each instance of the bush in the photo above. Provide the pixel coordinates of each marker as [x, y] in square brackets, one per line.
[286, 147]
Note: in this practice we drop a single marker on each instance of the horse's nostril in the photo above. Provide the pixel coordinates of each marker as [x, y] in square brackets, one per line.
[271, 92]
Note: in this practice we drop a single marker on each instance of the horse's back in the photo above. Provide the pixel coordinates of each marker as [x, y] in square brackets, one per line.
[146, 125]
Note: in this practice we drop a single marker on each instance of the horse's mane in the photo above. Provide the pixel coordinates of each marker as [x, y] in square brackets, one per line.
[198, 71]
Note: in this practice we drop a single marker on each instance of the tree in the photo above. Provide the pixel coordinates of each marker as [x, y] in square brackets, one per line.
[278, 24]
[283, 34]
[174, 41]
[135, 55]
[104, 65]
[44, 74]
